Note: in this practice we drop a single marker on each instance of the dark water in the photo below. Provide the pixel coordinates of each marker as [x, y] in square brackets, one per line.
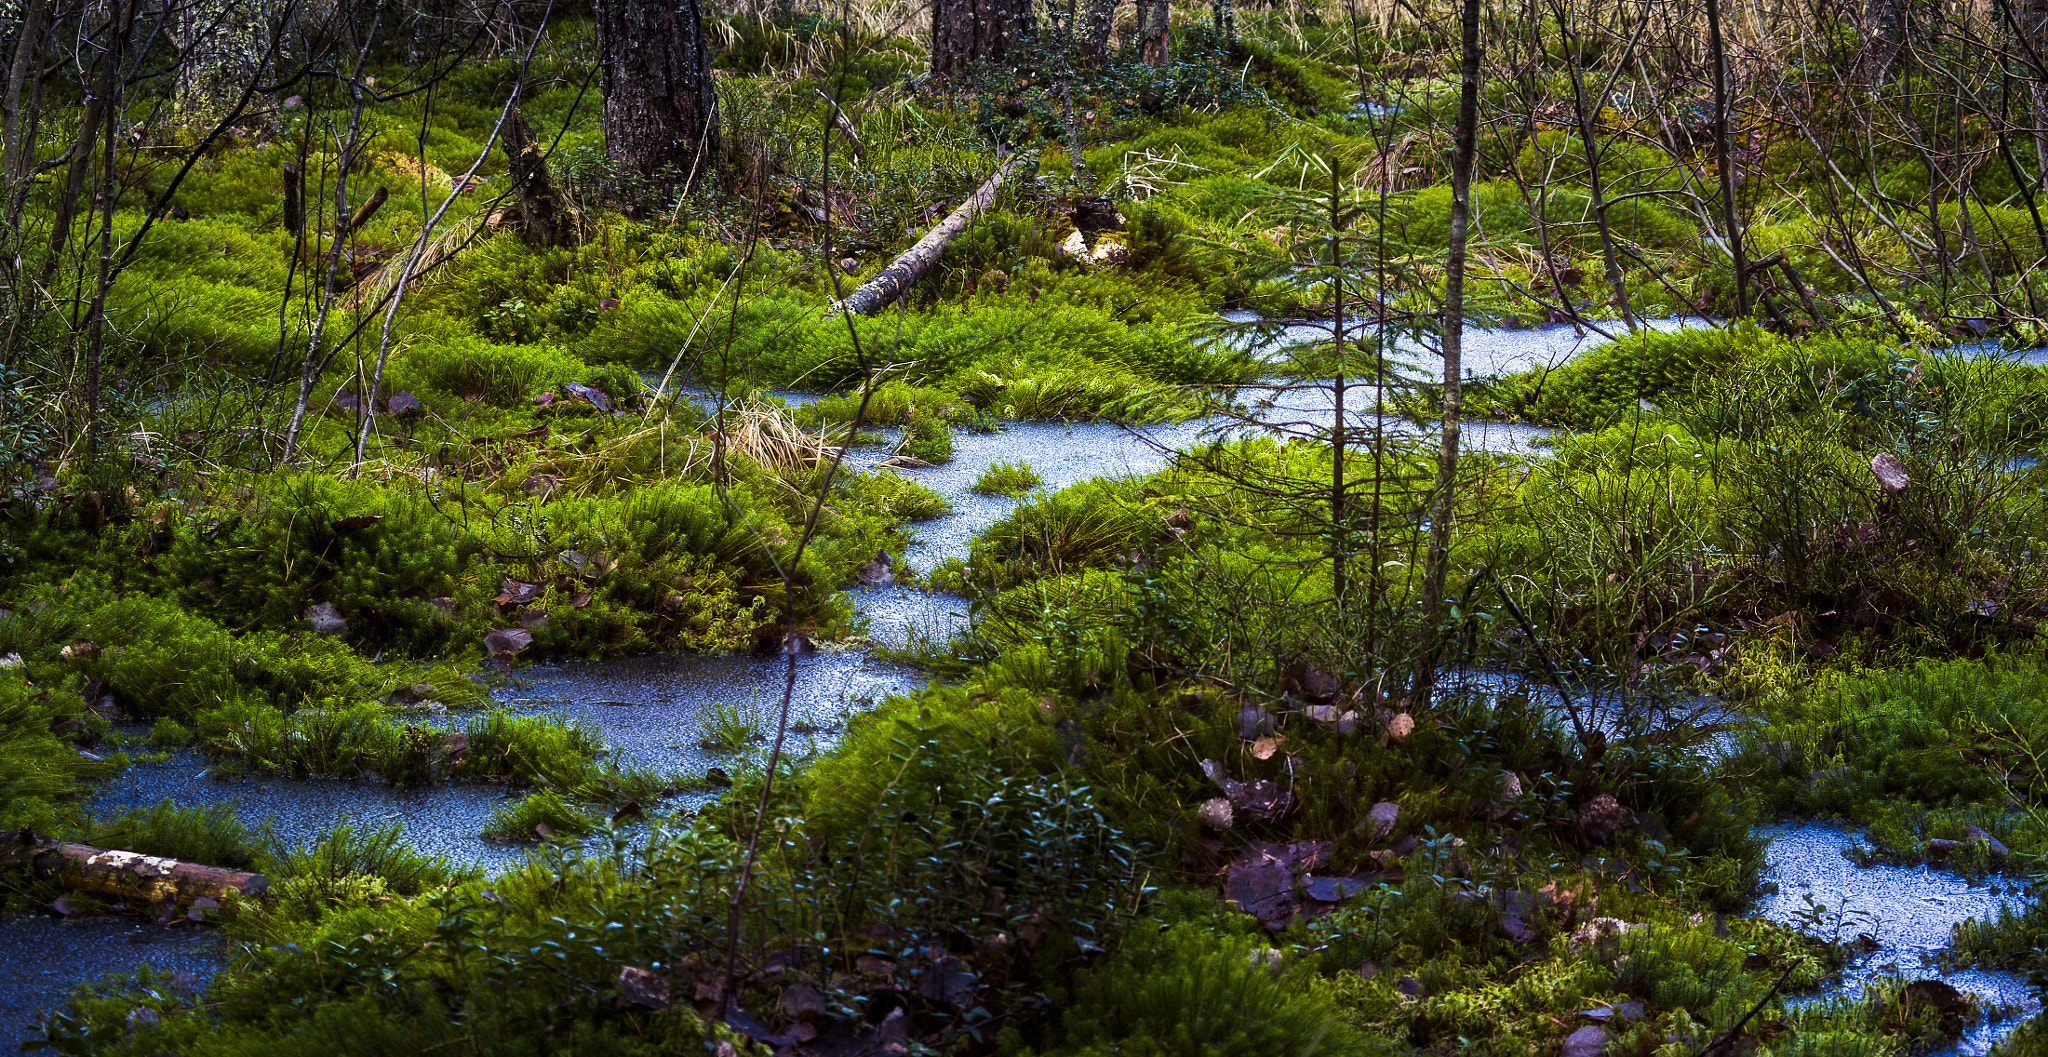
[42, 958]
[439, 819]
[1485, 352]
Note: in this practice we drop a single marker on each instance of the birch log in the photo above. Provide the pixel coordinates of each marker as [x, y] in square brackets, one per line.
[890, 283]
[141, 879]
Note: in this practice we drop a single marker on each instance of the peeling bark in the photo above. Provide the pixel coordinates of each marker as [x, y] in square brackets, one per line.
[903, 272]
[144, 880]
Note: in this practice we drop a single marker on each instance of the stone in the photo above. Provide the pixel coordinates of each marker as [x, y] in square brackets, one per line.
[1943, 998]
[518, 592]
[1891, 476]
[507, 640]
[1263, 799]
[1309, 683]
[877, 572]
[1588, 1041]
[1602, 930]
[11, 660]
[1215, 814]
[1399, 726]
[1507, 792]
[596, 398]
[1380, 819]
[1997, 849]
[1253, 723]
[643, 987]
[1630, 1010]
[1338, 889]
[325, 620]
[1269, 879]
[1601, 816]
[803, 1002]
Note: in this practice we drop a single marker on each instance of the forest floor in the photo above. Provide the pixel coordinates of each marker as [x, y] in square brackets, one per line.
[658, 662]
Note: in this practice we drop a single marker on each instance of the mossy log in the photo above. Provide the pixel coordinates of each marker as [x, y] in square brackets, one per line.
[891, 282]
[129, 876]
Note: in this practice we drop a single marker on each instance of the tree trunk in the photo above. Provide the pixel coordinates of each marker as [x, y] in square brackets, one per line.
[1153, 16]
[543, 218]
[1444, 505]
[966, 34]
[891, 282]
[1884, 31]
[660, 109]
[1099, 20]
[143, 880]
[1724, 161]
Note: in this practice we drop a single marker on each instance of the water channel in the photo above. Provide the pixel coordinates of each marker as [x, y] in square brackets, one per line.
[651, 707]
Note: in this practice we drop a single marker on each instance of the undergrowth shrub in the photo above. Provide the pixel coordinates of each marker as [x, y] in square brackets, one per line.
[544, 815]
[41, 769]
[1007, 478]
[1185, 992]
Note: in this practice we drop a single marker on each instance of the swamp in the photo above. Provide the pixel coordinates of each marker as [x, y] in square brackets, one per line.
[1320, 528]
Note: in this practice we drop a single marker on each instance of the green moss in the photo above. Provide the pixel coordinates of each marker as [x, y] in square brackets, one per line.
[929, 439]
[41, 770]
[1187, 993]
[1007, 478]
[539, 816]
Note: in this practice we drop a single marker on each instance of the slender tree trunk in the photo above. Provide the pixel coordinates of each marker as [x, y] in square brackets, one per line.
[317, 355]
[1587, 113]
[1443, 506]
[1724, 161]
[110, 89]
[1884, 31]
[660, 108]
[27, 58]
[1340, 518]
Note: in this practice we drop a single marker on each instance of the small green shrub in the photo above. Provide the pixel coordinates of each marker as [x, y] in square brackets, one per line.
[40, 768]
[1085, 525]
[1186, 992]
[169, 733]
[381, 852]
[539, 816]
[894, 496]
[534, 750]
[210, 834]
[927, 438]
[1007, 478]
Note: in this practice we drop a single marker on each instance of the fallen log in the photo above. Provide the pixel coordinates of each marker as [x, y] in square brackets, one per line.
[891, 282]
[145, 880]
